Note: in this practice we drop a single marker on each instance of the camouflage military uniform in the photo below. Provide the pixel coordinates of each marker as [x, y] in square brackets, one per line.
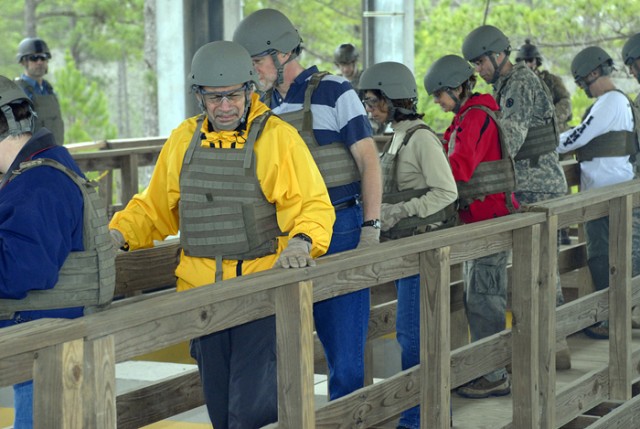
[524, 104]
[561, 98]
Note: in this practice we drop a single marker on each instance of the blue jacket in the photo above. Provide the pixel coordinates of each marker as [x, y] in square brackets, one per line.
[41, 220]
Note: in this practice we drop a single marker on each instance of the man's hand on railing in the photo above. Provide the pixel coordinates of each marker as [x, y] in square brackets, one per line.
[369, 236]
[117, 238]
[297, 254]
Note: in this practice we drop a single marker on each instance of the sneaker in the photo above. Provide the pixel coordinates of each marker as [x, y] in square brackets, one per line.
[483, 388]
[564, 236]
[599, 331]
[563, 355]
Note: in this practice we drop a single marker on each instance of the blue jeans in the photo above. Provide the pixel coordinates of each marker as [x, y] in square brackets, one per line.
[342, 322]
[23, 404]
[238, 370]
[408, 335]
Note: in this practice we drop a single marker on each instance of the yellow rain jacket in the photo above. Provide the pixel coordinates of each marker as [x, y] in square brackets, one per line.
[288, 176]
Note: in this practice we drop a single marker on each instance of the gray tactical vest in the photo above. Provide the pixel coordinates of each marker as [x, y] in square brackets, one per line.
[223, 212]
[88, 277]
[613, 143]
[48, 111]
[489, 177]
[335, 162]
[412, 225]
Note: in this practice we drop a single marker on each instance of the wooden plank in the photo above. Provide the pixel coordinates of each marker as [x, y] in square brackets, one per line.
[625, 416]
[99, 389]
[581, 395]
[294, 328]
[435, 332]
[147, 269]
[546, 319]
[160, 400]
[525, 331]
[129, 175]
[37, 334]
[620, 233]
[57, 386]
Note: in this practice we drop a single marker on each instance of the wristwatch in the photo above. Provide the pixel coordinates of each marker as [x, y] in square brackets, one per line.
[304, 237]
[373, 222]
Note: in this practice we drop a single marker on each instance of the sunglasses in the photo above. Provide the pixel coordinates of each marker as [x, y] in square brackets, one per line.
[38, 57]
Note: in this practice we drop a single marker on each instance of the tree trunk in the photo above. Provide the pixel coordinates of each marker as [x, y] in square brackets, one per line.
[30, 24]
[150, 104]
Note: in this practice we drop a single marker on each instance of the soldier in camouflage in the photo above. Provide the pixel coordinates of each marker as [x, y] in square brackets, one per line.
[530, 54]
[529, 123]
[631, 58]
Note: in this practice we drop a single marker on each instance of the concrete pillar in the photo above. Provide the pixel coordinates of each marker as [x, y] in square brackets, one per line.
[388, 31]
[182, 27]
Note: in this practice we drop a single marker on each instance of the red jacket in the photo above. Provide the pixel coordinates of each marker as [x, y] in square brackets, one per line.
[476, 141]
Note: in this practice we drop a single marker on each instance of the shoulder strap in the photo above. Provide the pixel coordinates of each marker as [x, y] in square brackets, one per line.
[314, 82]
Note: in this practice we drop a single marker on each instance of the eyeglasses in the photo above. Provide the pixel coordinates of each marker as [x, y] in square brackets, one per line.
[371, 102]
[216, 98]
[38, 57]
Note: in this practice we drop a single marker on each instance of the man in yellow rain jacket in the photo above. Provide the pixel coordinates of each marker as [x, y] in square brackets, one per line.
[258, 202]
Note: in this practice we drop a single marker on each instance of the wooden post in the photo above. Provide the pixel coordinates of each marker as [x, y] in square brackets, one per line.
[57, 386]
[435, 333]
[525, 307]
[99, 389]
[129, 176]
[620, 232]
[547, 319]
[294, 330]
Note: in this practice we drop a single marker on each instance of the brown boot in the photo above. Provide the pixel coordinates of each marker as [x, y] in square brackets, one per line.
[563, 355]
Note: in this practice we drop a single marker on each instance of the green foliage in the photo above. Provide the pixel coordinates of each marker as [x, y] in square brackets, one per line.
[84, 106]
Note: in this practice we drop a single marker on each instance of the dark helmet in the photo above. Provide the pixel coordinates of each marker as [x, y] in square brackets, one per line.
[484, 40]
[32, 45]
[450, 71]
[395, 80]
[266, 30]
[590, 59]
[221, 63]
[631, 49]
[528, 51]
[345, 54]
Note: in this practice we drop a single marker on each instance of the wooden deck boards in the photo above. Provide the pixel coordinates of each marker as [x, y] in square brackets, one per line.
[493, 413]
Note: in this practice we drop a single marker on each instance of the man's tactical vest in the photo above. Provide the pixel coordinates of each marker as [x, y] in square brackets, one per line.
[223, 212]
[489, 177]
[412, 225]
[335, 162]
[613, 143]
[47, 109]
[541, 139]
[88, 277]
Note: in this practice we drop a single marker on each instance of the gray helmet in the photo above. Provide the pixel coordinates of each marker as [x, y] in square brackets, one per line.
[588, 60]
[484, 40]
[631, 49]
[345, 54]
[30, 46]
[450, 71]
[528, 51]
[221, 63]
[395, 80]
[10, 93]
[266, 30]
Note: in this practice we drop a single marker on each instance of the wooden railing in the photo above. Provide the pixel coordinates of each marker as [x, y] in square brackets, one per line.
[72, 361]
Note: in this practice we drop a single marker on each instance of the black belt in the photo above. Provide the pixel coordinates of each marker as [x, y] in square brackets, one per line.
[346, 204]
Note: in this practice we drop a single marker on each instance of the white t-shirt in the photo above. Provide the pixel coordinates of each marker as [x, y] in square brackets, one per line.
[610, 112]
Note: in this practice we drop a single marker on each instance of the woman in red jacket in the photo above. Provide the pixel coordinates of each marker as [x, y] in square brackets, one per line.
[473, 140]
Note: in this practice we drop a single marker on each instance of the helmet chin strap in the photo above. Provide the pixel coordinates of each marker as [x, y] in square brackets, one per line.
[497, 68]
[280, 66]
[17, 128]
[455, 99]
